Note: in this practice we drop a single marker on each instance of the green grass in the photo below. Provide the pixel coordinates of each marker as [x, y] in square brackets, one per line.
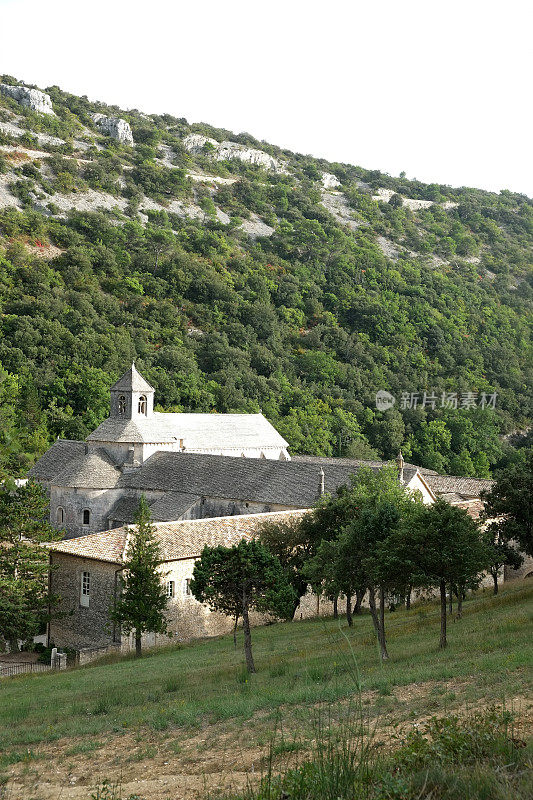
[489, 656]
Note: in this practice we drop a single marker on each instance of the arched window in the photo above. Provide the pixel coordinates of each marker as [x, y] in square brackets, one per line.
[86, 516]
[60, 515]
[122, 404]
[142, 404]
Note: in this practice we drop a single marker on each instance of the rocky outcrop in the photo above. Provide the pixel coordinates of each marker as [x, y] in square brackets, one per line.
[115, 127]
[330, 181]
[228, 151]
[195, 141]
[30, 98]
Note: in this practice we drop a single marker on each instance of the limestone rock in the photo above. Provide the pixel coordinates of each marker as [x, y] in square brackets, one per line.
[330, 181]
[115, 127]
[30, 98]
[195, 141]
[227, 151]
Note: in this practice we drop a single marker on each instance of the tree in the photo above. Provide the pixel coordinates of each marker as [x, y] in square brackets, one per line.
[511, 499]
[143, 599]
[502, 552]
[235, 580]
[24, 563]
[289, 542]
[440, 545]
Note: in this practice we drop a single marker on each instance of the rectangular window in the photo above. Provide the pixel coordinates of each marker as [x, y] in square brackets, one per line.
[85, 589]
[187, 587]
[86, 516]
[170, 588]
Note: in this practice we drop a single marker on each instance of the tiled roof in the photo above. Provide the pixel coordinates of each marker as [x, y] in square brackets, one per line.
[56, 459]
[466, 487]
[171, 506]
[105, 546]
[124, 509]
[95, 470]
[177, 540]
[132, 381]
[198, 431]
[286, 483]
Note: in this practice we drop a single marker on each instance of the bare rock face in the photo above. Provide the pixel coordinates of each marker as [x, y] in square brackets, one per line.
[195, 141]
[228, 151]
[115, 127]
[330, 181]
[30, 98]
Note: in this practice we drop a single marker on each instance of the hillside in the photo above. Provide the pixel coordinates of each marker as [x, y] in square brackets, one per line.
[243, 277]
[183, 721]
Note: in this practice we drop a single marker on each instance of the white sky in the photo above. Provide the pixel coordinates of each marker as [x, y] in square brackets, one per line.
[441, 90]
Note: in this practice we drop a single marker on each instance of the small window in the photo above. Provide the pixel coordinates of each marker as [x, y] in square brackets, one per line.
[86, 516]
[85, 588]
[122, 404]
[142, 404]
[60, 515]
[170, 588]
[187, 587]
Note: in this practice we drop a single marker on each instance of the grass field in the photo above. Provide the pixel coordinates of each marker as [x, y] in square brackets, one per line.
[177, 715]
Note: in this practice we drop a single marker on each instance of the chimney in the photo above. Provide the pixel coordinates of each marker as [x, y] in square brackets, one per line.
[400, 462]
[322, 489]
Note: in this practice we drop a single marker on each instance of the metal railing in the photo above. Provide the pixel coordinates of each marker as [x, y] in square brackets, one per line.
[10, 668]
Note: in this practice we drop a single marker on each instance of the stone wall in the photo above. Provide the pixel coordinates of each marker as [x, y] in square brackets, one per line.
[524, 571]
[73, 625]
[90, 628]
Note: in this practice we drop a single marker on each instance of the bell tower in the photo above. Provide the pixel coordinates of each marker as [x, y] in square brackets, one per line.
[132, 397]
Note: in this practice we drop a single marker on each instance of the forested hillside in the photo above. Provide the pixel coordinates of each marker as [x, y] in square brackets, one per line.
[240, 282]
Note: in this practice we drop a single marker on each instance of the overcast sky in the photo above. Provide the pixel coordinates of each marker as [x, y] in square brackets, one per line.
[441, 90]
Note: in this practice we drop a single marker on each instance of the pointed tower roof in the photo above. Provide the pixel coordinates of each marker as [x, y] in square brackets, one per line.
[132, 381]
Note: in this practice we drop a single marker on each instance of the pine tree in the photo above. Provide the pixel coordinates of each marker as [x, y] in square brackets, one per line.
[143, 600]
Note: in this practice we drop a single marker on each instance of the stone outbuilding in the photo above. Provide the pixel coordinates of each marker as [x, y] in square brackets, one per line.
[85, 573]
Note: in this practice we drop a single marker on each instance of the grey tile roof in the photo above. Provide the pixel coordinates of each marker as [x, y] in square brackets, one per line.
[95, 470]
[357, 462]
[286, 483]
[124, 509]
[177, 540]
[466, 487]
[199, 432]
[171, 506]
[56, 459]
[132, 381]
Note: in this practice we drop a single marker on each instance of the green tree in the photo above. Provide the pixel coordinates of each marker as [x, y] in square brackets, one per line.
[440, 545]
[511, 499]
[235, 580]
[143, 599]
[24, 563]
[289, 542]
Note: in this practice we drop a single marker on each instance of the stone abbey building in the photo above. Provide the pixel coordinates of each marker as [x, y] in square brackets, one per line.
[208, 479]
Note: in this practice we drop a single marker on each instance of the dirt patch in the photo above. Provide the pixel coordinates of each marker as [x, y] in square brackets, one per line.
[178, 763]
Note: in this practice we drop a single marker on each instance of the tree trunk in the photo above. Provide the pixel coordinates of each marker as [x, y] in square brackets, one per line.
[460, 606]
[442, 614]
[408, 599]
[335, 608]
[138, 647]
[349, 610]
[451, 599]
[382, 642]
[14, 646]
[376, 619]
[359, 594]
[250, 666]
[235, 631]
[495, 580]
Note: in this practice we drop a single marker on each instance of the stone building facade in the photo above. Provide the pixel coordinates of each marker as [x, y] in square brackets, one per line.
[85, 573]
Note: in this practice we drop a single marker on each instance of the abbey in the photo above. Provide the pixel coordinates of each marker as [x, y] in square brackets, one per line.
[197, 466]
[90, 483]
